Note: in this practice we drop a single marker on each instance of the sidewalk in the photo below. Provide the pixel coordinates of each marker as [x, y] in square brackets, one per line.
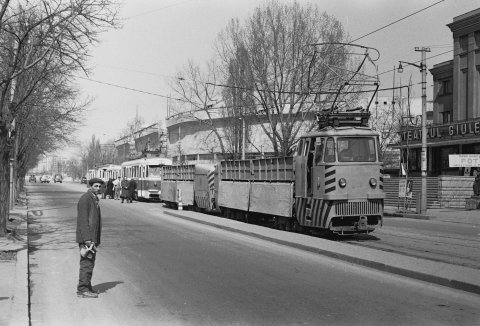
[452, 215]
[14, 298]
[14, 269]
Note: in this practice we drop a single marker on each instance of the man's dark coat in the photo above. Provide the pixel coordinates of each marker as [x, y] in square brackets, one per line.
[89, 219]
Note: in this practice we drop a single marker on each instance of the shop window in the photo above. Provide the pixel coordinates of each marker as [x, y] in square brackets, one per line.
[444, 152]
[414, 163]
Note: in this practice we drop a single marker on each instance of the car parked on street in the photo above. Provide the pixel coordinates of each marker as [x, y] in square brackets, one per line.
[45, 178]
[57, 178]
[32, 178]
[83, 180]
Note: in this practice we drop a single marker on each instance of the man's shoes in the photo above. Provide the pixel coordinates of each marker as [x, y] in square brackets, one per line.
[87, 294]
[94, 291]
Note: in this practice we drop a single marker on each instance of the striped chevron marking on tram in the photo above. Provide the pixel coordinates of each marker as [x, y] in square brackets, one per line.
[319, 211]
[381, 179]
[330, 178]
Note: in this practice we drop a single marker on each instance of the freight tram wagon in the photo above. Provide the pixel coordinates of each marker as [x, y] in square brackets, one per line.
[334, 182]
[190, 185]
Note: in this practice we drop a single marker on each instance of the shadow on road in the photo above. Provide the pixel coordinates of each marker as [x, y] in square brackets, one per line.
[104, 287]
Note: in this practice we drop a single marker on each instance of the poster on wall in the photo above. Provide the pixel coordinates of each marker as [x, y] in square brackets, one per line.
[405, 187]
[464, 160]
[402, 188]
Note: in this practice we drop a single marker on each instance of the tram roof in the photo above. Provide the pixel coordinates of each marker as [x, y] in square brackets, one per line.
[342, 131]
[149, 161]
[109, 167]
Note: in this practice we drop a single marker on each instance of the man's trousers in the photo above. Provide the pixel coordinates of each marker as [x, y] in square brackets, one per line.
[86, 272]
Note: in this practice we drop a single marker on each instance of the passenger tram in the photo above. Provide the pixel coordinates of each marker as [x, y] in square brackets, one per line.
[147, 172]
[105, 172]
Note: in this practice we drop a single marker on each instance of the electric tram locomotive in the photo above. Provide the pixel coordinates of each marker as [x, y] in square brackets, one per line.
[334, 182]
[339, 175]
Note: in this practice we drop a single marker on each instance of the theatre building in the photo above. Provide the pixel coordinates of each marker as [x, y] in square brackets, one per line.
[455, 128]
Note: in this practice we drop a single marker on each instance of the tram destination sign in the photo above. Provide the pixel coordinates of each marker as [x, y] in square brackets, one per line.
[464, 160]
[465, 129]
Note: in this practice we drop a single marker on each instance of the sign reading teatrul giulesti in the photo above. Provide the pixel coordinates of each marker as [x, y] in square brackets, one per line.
[444, 131]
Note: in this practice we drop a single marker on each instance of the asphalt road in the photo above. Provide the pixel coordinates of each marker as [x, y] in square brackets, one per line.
[154, 269]
[452, 243]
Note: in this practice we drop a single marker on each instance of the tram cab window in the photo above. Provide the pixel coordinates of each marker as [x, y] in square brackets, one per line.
[155, 172]
[356, 149]
[300, 147]
[330, 150]
[306, 145]
[319, 145]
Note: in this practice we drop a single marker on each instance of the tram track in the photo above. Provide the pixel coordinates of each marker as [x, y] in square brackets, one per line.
[456, 250]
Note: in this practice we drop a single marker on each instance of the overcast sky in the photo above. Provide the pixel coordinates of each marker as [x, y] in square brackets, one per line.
[159, 36]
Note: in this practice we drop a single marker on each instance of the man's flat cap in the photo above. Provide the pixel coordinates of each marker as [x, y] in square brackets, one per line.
[95, 180]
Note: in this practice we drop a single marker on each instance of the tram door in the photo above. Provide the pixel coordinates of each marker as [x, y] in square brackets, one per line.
[303, 167]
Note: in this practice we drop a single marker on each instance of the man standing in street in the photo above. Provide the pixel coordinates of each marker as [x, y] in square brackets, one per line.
[89, 227]
[124, 192]
[132, 186]
[117, 187]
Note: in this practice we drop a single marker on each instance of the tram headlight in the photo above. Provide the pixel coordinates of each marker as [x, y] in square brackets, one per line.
[342, 182]
[373, 182]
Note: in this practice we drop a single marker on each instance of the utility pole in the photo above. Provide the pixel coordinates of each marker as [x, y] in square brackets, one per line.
[423, 71]
[243, 138]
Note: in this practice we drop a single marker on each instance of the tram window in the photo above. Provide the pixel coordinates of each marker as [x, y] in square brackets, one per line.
[155, 172]
[356, 149]
[300, 147]
[306, 144]
[319, 150]
[330, 150]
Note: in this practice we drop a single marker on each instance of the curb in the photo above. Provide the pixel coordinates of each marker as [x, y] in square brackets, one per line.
[406, 215]
[20, 302]
[422, 276]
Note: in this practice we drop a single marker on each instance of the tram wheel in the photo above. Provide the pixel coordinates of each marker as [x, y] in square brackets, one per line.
[246, 218]
[288, 226]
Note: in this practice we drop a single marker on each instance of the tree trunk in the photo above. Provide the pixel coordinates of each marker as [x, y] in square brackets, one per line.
[4, 180]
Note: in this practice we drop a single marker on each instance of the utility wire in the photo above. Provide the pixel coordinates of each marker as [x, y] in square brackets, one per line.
[177, 99]
[132, 89]
[159, 9]
[398, 20]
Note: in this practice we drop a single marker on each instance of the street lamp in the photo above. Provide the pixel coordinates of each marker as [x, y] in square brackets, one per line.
[423, 70]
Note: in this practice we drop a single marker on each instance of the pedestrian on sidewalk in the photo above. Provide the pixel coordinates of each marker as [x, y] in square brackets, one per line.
[89, 227]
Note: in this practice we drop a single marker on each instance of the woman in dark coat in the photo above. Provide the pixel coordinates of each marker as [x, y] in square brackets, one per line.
[132, 186]
[124, 192]
[110, 188]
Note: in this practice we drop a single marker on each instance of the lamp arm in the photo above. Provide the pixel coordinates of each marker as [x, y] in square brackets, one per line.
[420, 66]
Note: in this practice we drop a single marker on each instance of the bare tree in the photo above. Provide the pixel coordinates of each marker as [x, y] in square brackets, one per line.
[36, 37]
[271, 72]
[386, 119]
[198, 97]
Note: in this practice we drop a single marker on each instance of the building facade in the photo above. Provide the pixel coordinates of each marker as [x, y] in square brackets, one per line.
[455, 128]
[146, 142]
